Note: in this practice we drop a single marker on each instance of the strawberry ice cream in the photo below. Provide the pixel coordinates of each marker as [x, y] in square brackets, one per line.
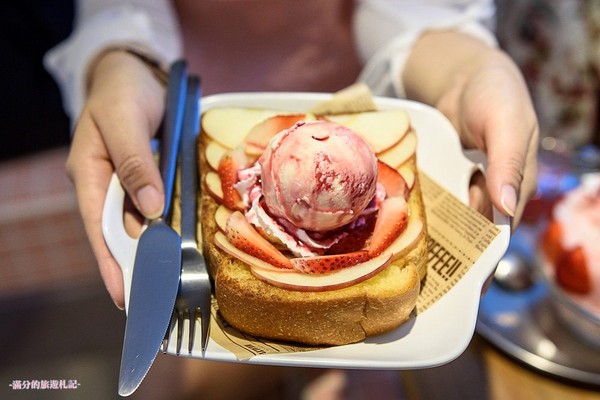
[318, 175]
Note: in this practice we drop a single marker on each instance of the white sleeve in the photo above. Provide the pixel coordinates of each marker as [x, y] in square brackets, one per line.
[385, 31]
[147, 25]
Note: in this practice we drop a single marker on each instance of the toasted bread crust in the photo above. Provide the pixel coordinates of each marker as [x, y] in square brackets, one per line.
[374, 306]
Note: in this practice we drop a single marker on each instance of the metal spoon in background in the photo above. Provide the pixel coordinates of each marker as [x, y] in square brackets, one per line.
[513, 272]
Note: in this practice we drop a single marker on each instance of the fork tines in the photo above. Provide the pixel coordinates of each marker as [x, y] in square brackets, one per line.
[194, 296]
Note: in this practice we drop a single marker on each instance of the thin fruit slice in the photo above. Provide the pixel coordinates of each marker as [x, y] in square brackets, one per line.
[407, 240]
[253, 151]
[230, 125]
[323, 282]
[213, 186]
[381, 129]
[222, 216]
[407, 170]
[221, 242]
[392, 181]
[229, 166]
[401, 152]
[214, 152]
[392, 219]
[330, 263]
[242, 235]
[261, 134]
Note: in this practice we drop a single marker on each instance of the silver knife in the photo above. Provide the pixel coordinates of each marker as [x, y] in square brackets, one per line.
[157, 265]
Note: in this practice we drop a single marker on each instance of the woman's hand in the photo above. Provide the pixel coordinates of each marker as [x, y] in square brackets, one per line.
[124, 109]
[484, 95]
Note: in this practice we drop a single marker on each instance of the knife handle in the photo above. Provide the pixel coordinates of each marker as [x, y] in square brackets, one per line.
[176, 88]
[189, 162]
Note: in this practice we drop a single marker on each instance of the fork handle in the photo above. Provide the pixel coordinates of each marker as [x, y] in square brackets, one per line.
[189, 164]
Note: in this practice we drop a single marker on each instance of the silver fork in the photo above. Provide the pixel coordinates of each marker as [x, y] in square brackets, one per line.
[195, 287]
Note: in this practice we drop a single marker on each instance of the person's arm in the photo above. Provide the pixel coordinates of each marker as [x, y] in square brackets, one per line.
[444, 53]
[116, 104]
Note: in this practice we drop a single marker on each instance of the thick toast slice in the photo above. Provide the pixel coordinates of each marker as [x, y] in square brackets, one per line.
[374, 306]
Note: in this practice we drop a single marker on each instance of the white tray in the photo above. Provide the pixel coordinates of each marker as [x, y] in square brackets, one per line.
[435, 337]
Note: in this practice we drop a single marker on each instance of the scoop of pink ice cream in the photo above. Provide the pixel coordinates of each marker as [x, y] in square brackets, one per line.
[318, 175]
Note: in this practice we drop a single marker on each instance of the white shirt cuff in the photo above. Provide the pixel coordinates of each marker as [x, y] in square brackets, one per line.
[386, 32]
[124, 25]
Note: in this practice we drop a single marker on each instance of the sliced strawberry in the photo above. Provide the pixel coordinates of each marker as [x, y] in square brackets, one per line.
[392, 219]
[356, 239]
[551, 241]
[260, 135]
[243, 236]
[229, 166]
[392, 181]
[325, 264]
[221, 242]
[572, 272]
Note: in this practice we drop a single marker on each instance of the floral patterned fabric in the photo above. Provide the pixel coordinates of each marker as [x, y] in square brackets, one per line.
[557, 45]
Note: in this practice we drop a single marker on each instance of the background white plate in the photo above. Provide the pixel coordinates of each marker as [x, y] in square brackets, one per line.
[435, 337]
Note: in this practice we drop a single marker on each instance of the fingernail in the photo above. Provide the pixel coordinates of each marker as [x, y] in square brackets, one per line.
[508, 199]
[119, 307]
[150, 201]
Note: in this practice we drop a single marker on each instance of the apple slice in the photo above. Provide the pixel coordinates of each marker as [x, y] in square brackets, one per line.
[381, 129]
[323, 282]
[392, 180]
[401, 152]
[330, 263]
[230, 125]
[407, 239]
[260, 134]
[253, 151]
[242, 235]
[213, 186]
[221, 216]
[221, 242]
[214, 152]
[392, 219]
[408, 173]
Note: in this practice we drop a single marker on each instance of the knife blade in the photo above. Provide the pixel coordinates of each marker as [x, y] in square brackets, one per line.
[157, 266]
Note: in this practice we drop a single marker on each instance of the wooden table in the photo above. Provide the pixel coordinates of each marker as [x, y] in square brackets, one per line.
[483, 372]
